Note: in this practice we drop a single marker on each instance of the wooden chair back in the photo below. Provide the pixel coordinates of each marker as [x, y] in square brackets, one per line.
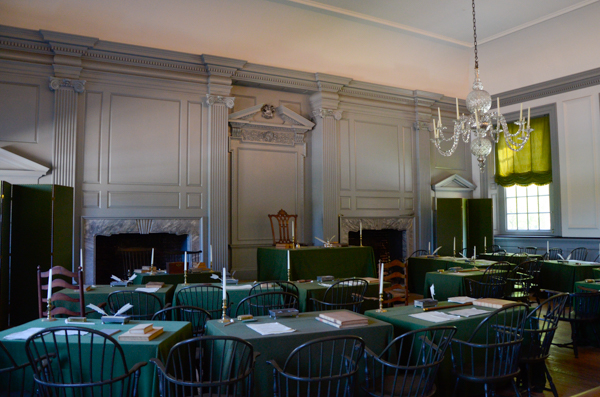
[134, 258]
[192, 314]
[145, 304]
[396, 272]
[58, 281]
[283, 226]
[579, 254]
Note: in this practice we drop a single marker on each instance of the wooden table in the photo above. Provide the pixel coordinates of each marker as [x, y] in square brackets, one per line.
[399, 317]
[99, 294]
[561, 277]
[376, 335]
[449, 284]
[310, 262]
[195, 277]
[317, 291]
[174, 332]
[419, 266]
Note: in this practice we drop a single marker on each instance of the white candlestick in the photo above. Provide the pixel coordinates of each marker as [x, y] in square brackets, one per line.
[528, 118]
[81, 257]
[521, 113]
[360, 227]
[381, 279]
[289, 262]
[49, 284]
[292, 225]
[224, 284]
[152, 258]
[454, 246]
[210, 254]
[439, 117]
[475, 251]
[429, 248]
[484, 243]
[548, 246]
[457, 115]
[185, 262]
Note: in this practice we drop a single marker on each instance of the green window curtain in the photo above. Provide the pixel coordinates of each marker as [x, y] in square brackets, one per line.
[530, 165]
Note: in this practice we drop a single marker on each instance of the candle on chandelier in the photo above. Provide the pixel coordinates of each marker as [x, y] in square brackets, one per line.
[457, 115]
[436, 134]
[528, 119]
[476, 120]
[521, 113]
[498, 105]
[439, 117]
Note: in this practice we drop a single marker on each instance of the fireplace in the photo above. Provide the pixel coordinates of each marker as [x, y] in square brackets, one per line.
[93, 227]
[404, 225]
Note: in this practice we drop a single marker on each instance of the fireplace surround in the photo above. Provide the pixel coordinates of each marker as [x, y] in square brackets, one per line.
[93, 227]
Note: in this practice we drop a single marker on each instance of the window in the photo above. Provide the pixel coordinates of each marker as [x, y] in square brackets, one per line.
[528, 208]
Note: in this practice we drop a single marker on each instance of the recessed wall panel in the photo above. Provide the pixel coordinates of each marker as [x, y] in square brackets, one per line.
[345, 165]
[580, 155]
[92, 137]
[91, 199]
[144, 141]
[407, 159]
[143, 200]
[377, 156]
[19, 105]
[267, 180]
[194, 155]
[377, 203]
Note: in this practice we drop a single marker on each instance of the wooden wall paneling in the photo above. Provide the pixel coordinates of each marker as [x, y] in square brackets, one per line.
[581, 173]
[92, 138]
[194, 145]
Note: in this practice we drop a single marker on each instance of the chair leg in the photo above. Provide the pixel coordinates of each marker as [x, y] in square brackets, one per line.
[552, 387]
[528, 379]
[454, 394]
[516, 389]
[574, 337]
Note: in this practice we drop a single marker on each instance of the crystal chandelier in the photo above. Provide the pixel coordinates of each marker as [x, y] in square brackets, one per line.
[480, 123]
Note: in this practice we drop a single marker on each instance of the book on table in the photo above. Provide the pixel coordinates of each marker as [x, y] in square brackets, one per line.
[141, 332]
[492, 302]
[343, 318]
[155, 284]
[341, 326]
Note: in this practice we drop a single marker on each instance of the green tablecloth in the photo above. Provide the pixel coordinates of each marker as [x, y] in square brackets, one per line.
[376, 335]
[419, 266]
[448, 285]
[99, 294]
[174, 331]
[310, 262]
[596, 273]
[196, 277]
[515, 259]
[402, 322]
[236, 293]
[317, 291]
[562, 276]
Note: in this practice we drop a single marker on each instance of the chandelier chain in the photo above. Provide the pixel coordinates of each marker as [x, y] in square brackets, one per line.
[475, 37]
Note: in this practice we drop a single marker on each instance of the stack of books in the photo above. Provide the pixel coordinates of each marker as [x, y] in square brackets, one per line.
[492, 302]
[141, 333]
[343, 319]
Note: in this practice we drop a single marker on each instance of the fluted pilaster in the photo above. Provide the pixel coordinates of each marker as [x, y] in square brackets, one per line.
[219, 184]
[65, 128]
[327, 119]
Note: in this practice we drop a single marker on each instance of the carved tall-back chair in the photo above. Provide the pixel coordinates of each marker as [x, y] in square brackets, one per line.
[283, 226]
[59, 296]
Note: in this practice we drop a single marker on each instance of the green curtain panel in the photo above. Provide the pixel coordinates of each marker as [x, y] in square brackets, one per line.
[532, 164]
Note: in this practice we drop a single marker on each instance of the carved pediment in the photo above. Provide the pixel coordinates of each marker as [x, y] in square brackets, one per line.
[264, 123]
[18, 169]
[454, 183]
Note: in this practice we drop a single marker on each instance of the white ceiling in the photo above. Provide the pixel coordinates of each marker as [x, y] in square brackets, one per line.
[447, 20]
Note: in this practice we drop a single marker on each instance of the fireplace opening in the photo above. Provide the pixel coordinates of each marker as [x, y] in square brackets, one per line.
[108, 261]
[387, 243]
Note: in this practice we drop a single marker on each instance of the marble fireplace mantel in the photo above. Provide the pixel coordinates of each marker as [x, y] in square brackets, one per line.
[93, 227]
[402, 223]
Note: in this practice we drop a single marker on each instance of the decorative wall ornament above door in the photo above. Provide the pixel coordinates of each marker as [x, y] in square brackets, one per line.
[287, 127]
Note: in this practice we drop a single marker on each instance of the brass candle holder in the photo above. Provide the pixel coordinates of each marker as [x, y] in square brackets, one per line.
[361, 240]
[381, 309]
[152, 270]
[289, 274]
[224, 319]
[185, 272]
[49, 318]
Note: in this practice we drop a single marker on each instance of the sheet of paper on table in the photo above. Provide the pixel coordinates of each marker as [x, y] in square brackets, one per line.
[23, 335]
[146, 289]
[468, 312]
[270, 328]
[461, 299]
[238, 287]
[434, 317]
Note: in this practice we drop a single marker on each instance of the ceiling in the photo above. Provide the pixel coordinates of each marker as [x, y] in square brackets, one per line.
[446, 20]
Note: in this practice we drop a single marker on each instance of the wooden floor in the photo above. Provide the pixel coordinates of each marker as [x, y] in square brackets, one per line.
[571, 375]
